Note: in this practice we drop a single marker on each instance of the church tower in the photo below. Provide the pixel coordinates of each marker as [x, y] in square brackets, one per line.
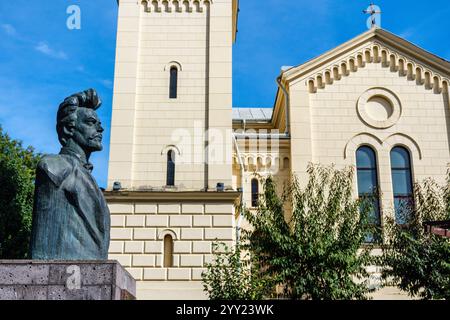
[173, 94]
[171, 139]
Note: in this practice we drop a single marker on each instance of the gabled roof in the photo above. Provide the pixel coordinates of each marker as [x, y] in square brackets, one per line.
[319, 72]
[385, 37]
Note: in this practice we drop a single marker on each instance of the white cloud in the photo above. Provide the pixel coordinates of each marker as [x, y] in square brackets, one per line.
[107, 83]
[44, 48]
[9, 29]
[81, 69]
[407, 34]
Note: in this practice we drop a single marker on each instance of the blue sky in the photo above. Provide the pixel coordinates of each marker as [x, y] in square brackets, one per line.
[42, 61]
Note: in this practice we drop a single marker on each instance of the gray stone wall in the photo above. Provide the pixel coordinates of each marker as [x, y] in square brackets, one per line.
[65, 280]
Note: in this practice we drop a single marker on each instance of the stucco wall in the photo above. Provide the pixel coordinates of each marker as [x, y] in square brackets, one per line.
[145, 122]
[137, 238]
[329, 129]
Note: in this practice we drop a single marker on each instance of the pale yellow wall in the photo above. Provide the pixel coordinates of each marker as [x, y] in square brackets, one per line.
[335, 131]
[220, 93]
[145, 122]
[271, 163]
[325, 128]
[167, 37]
[124, 97]
[137, 237]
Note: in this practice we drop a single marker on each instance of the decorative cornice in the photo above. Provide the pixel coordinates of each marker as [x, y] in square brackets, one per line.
[374, 46]
[388, 58]
[170, 196]
[263, 160]
[158, 6]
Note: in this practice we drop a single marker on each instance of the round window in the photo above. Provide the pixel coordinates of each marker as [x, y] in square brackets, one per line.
[379, 108]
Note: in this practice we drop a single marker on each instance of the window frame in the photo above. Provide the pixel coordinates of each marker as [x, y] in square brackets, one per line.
[173, 82]
[168, 246]
[171, 168]
[375, 188]
[406, 170]
[254, 193]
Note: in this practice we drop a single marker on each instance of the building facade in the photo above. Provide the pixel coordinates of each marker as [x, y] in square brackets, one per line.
[170, 130]
[181, 156]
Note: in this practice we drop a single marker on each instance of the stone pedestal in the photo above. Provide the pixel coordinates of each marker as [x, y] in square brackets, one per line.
[65, 280]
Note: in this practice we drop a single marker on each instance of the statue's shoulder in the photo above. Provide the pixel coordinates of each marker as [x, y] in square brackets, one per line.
[56, 167]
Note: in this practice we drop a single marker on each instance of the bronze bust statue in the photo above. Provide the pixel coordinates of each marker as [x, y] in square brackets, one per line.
[71, 220]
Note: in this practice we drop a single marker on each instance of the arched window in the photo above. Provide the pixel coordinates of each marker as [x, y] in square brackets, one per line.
[366, 164]
[173, 82]
[402, 184]
[168, 251]
[286, 163]
[255, 192]
[171, 168]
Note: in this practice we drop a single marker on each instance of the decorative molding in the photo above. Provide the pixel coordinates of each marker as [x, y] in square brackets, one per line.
[389, 97]
[169, 65]
[401, 139]
[359, 140]
[385, 146]
[175, 6]
[169, 196]
[166, 232]
[170, 147]
[388, 58]
[262, 161]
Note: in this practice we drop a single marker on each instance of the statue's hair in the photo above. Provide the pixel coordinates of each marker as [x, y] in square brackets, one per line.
[67, 112]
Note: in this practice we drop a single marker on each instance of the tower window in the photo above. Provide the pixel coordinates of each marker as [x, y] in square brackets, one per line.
[255, 192]
[402, 184]
[366, 164]
[168, 251]
[173, 83]
[170, 168]
[286, 163]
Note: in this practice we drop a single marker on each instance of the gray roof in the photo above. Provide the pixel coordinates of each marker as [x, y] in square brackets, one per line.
[252, 114]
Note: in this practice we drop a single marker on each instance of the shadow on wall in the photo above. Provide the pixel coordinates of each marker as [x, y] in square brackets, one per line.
[445, 95]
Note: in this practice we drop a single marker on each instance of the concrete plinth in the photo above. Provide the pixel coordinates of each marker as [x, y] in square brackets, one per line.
[65, 280]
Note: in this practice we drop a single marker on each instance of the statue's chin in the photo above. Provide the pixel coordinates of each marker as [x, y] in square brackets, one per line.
[96, 147]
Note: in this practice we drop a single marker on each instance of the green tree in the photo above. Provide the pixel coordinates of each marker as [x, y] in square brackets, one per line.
[416, 261]
[17, 174]
[317, 252]
[229, 276]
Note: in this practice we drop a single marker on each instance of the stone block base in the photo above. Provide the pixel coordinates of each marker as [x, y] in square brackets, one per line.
[65, 280]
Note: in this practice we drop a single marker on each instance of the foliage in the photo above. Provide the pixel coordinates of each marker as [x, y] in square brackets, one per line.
[317, 252]
[17, 174]
[229, 276]
[416, 261]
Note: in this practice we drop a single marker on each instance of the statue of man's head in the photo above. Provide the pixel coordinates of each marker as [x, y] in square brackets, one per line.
[78, 124]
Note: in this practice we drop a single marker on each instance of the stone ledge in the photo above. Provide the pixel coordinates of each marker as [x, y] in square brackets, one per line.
[65, 280]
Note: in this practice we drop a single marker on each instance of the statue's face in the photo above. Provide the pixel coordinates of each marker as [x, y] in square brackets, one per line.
[88, 130]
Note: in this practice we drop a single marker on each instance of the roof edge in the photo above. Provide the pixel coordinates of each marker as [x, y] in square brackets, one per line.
[441, 64]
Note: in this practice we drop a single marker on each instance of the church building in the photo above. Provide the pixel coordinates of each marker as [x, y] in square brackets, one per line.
[181, 157]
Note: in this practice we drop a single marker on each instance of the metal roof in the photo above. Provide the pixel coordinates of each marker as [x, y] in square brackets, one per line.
[252, 114]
